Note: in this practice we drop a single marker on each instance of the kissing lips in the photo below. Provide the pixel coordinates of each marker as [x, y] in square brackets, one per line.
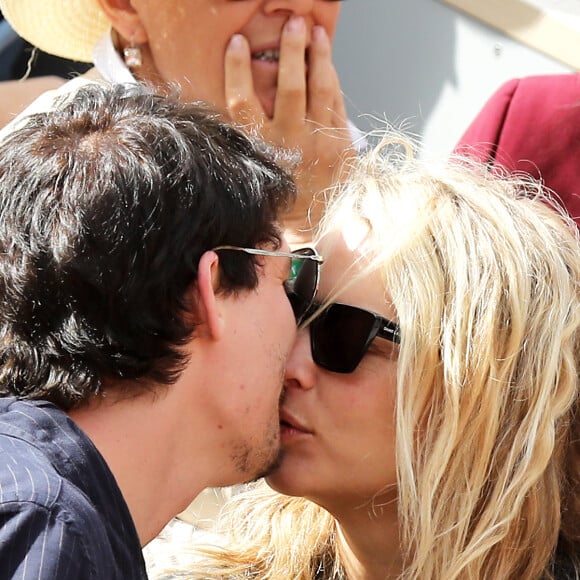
[291, 427]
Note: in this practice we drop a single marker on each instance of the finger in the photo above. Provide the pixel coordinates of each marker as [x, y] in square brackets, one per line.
[291, 93]
[242, 103]
[349, 140]
[322, 79]
[339, 112]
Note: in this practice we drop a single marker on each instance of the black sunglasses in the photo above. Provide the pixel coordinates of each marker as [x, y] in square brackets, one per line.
[341, 335]
[302, 284]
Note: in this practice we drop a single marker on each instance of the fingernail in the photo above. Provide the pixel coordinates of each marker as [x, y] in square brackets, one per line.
[295, 24]
[319, 33]
[236, 42]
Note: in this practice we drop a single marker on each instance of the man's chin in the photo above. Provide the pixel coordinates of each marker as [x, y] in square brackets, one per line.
[270, 468]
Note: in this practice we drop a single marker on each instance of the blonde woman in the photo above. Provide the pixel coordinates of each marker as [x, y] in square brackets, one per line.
[431, 421]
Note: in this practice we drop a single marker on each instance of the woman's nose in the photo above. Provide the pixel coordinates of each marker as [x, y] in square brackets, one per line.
[290, 7]
[300, 368]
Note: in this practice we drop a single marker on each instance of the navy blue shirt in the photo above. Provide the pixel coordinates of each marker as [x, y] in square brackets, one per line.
[62, 515]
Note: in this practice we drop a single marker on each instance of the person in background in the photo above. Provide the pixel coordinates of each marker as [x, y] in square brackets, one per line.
[532, 125]
[431, 418]
[141, 357]
[266, 64]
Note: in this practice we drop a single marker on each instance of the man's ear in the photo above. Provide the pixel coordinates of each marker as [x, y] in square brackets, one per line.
[208, 283]
[125, 20]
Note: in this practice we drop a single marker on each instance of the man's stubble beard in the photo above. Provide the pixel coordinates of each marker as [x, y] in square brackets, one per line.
[276, 461]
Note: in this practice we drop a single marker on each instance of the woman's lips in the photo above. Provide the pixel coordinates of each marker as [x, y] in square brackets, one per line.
[265, 70]
[292, 426]
[267, 55]
[271, 55]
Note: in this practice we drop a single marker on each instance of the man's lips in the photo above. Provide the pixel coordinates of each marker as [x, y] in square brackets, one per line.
[289, 421]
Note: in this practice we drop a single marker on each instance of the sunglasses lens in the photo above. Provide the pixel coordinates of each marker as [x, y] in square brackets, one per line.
[340, 336]
[302, 283]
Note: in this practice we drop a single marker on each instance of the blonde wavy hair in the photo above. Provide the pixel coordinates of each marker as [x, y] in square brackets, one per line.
[484, 272]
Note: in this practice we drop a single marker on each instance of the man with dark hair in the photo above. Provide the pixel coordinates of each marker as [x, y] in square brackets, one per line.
[139, 362]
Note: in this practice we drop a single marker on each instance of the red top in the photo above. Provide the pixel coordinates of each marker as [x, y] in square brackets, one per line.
[533, 125]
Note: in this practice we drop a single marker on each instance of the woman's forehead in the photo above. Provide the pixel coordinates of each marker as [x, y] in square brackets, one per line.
[346, 274]
[347, 253]
[351, 239]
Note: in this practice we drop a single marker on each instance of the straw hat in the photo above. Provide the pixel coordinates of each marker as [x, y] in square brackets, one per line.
[65, 28]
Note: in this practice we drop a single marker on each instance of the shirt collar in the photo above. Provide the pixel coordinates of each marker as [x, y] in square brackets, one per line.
[109, 63]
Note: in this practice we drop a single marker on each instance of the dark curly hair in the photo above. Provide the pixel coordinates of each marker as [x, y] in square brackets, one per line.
[106, 205]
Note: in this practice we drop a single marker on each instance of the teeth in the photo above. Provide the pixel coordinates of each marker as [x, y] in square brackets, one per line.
[267, 55]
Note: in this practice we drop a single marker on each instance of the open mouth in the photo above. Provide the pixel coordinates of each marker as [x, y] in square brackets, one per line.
[270, 55]
[273, 55]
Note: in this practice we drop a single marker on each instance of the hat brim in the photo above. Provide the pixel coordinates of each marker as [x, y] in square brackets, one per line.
[66, 28]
